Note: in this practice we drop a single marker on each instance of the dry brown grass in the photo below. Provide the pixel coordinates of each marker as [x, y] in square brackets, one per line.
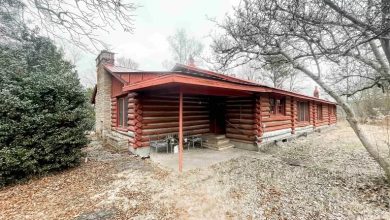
[328, 175]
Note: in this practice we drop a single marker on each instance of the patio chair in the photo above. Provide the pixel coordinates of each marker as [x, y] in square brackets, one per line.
[186, 140]
[171, 140]
[158, 143]
[196, 139]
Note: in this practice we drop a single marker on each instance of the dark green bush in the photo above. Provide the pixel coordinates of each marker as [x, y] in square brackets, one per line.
[43, 110]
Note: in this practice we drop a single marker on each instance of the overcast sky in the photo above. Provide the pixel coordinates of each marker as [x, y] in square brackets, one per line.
[154, 22]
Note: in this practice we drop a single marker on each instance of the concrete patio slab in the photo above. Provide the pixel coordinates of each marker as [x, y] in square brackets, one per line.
[196, 158]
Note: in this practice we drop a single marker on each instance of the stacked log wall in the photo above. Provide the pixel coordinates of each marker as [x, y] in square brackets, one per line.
[294, 115]
[241, 119]
[160, 116]
[272, 122]
[271, 127]
[312, 112]
[333, 116]
[249, 118]
[258, 116]
[134, 120]
[315, 115]
[325, 116]
[114, 113]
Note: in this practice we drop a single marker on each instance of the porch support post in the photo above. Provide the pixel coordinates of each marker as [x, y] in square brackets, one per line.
[258, 117]
[293, 114]
[180, 130]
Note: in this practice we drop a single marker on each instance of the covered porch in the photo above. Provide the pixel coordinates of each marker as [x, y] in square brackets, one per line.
[179, 111]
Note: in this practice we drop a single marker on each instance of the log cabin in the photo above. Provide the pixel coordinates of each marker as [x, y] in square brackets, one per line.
[135, 107]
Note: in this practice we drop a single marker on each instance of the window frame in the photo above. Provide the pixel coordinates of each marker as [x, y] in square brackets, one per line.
[122, 112]
[277, 105]
[306, 110]
[320, 113]
[332, 109]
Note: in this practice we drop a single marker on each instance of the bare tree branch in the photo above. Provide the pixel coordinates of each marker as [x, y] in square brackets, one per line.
[78, 22]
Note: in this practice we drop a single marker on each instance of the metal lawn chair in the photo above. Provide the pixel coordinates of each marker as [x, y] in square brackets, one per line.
[196, 139]
[158, 143]
[187, 140]
[171, 140]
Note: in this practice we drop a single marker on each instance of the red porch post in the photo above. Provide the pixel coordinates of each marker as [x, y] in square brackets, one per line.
[180, 129]
[293, 114]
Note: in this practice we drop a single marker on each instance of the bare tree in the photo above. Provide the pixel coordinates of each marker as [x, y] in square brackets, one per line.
[248, 72]
[311, 35]
[279, 73]
[76, 22]
[127, 62]
[183, 47]
[294, 81]
[72, 53]
[271, 72]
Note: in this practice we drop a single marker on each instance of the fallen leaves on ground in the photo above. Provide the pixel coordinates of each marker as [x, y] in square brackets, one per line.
[328, 175]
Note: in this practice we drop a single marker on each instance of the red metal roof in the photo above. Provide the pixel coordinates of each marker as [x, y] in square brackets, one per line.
[181, 67]
[196, 81]
[118, 69]
[183, 74]
[111, 69]
[192, 69]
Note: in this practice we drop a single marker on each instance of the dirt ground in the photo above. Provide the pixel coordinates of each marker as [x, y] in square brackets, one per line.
[327, 175]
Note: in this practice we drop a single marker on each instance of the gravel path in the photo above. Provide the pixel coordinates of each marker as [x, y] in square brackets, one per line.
[325, 176]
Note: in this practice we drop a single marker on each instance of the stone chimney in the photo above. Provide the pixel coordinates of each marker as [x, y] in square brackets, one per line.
[316, 92]
[103, 95]
[106, 57]
[191, 61]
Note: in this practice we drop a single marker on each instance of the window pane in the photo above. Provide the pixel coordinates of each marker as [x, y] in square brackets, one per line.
[120, 109]
[303, 111]
[125, 106]
[282, 106]
[272, 105]
[319, 112]
[307, 116]
[277, 105]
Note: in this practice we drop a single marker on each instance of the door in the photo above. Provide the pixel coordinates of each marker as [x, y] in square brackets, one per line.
[217, 115]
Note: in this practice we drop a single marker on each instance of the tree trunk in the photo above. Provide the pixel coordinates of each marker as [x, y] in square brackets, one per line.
[384, 162]
[385, 42]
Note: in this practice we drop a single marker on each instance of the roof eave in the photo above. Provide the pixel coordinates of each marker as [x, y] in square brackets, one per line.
[190, 80]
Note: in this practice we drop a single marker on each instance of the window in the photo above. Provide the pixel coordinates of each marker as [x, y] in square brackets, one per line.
[303, 111]
[319, 112]
[122, 112]
[332, 110]
[277, 106]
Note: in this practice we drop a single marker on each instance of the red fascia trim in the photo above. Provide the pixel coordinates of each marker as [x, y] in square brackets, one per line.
[301, 96]
[237, 80]
[190, 80]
